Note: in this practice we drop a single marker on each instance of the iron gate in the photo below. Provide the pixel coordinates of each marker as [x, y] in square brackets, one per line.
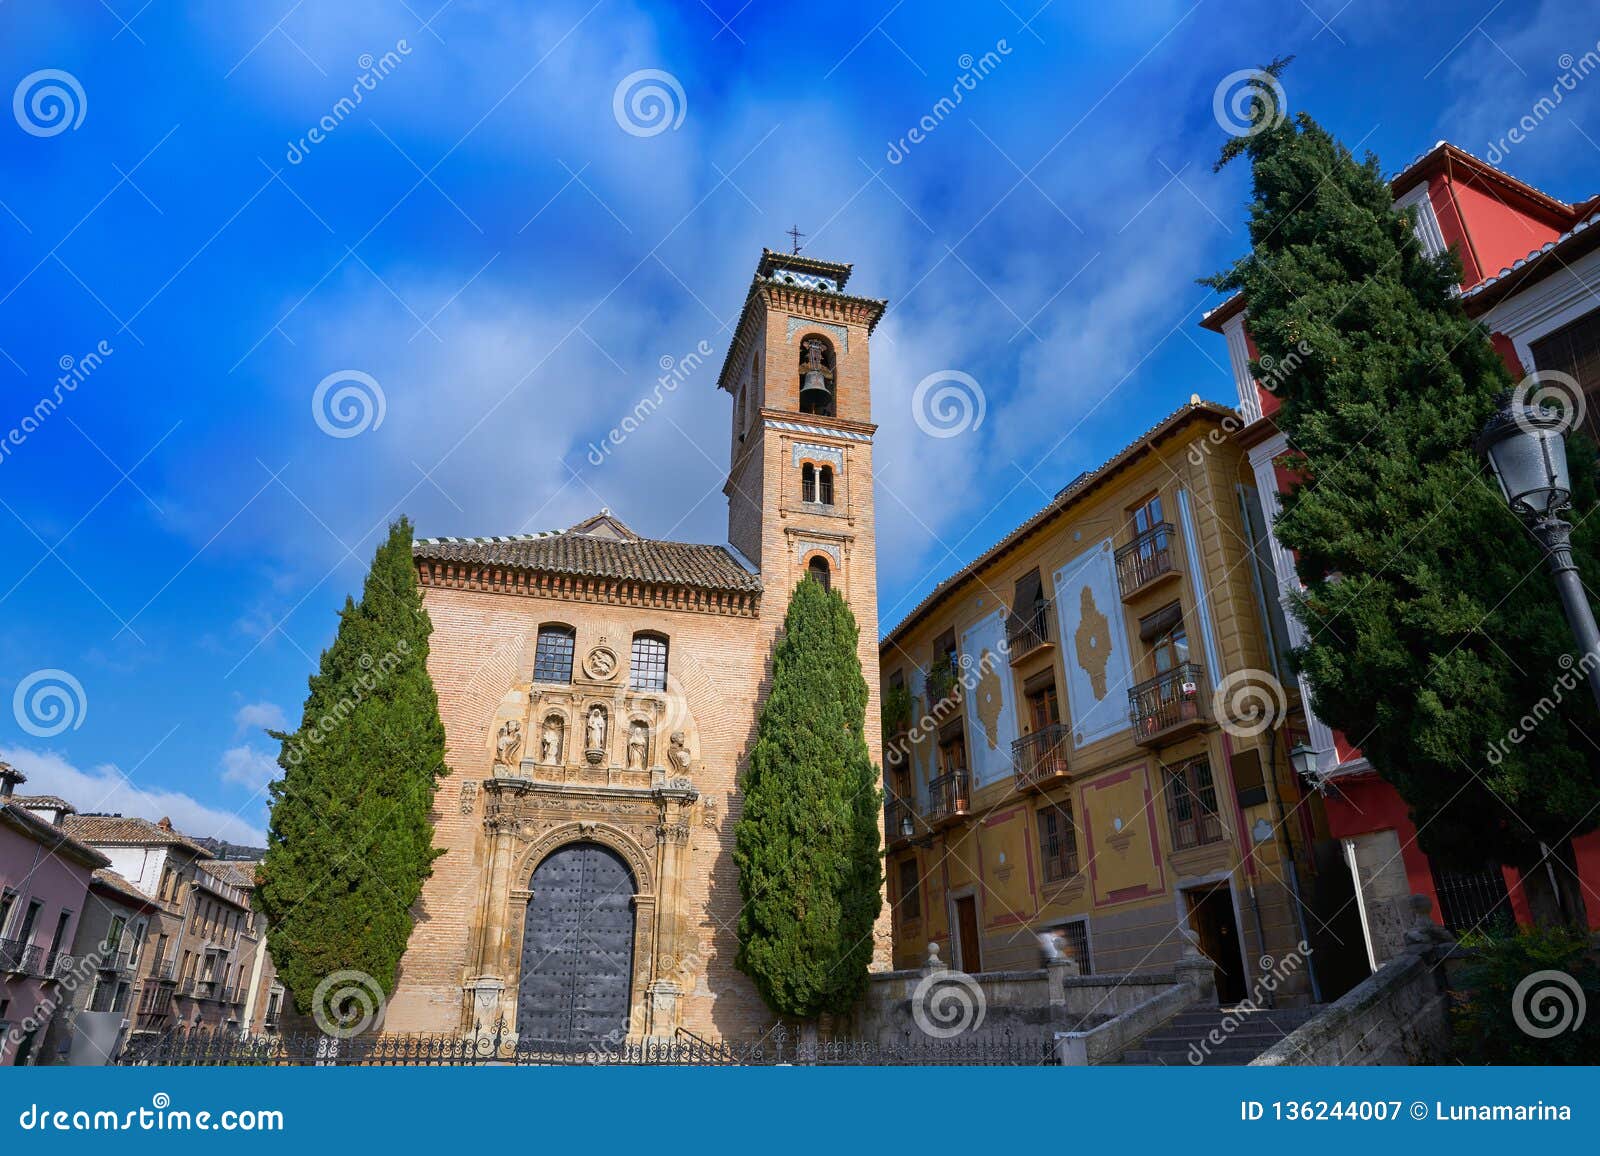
[577, 948]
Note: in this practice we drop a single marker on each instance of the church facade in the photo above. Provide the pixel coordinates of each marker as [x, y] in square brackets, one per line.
[600, 690]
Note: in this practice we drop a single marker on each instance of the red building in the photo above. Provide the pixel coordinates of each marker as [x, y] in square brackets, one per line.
[1531, 274]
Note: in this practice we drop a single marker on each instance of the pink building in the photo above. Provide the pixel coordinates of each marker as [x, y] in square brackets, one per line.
[44, 888]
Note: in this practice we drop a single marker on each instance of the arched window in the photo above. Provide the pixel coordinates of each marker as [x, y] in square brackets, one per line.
[817, 376]
[825, 485]
[552, 657]
[808, 483]
[649, 667]
[818, 572]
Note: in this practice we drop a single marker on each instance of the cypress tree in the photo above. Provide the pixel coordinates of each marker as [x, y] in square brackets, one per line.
[1437, 644]
[807, 841]
[350, 840]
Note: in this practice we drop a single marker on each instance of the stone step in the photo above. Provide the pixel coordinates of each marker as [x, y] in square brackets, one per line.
[1176, 1057]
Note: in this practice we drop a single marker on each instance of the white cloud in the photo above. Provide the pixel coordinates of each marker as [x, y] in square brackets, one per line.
[249, 766]
[106, 788]
[259, 716]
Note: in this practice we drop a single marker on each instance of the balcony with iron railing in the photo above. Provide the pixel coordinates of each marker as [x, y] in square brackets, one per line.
[1169, 706]
[1029, 630]
[1146, 561]
[1040, 759]
[20, 959]
[163, 970]
[949, 798]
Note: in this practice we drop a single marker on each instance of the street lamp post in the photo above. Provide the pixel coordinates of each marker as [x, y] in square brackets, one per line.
[1527, 451]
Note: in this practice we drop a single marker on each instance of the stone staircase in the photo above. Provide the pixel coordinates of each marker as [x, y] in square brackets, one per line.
[1245, 1034]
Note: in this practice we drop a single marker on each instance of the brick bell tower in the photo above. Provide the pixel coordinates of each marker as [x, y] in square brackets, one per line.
[799, 486]
[800, 475]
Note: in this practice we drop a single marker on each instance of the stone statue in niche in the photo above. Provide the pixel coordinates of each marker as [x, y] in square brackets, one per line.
[508, 745]
[550, 741]
[638, 745]
[597, 729]
[678, 754]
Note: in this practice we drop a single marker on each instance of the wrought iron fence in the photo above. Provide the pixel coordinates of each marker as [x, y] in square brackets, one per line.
[218, 1047]
[949, 796]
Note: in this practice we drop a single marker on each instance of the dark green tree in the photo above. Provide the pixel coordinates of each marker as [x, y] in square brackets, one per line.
[1437, 644]
[350, 840]
[807, 840]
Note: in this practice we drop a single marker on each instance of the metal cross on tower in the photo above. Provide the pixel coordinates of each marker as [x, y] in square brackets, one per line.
[794, 235]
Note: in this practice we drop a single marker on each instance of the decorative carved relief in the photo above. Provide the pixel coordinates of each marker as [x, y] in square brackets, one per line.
[678, 753]
[601, 663]
[508, 745]
[469, 796]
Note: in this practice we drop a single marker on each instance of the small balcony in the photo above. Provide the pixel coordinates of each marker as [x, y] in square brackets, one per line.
[949, 798]
[163, 970]
[1041, 758]
[1028, 632]
[1146, 561]
[943, 684]
[1169, 706]
[18, 958]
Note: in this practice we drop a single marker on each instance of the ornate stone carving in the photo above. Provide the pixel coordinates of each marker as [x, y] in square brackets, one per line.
[595, 734]
[678, 753]
[508, 745]
[601, 663]
[638, 745]
[709, 817]
[551, 740]
[469, 796]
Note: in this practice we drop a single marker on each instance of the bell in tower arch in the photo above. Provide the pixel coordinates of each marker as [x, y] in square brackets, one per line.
[816, 376]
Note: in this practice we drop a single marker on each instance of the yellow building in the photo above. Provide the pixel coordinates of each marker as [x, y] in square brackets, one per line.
[1082, 729]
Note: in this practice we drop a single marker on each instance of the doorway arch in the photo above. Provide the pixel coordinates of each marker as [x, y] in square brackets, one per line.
[577, 947]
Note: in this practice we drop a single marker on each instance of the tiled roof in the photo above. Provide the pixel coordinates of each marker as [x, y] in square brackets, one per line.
[57, 840]
[47, 802]
[232, 872]
[600, 547]
[94, 829]
[111, 881]
[1068, 494]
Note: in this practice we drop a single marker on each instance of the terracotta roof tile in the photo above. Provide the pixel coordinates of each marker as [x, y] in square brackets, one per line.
[111, 881]
[600, 547]
[94, 829]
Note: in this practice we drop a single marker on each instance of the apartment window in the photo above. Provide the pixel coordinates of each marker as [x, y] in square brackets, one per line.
[1574, 349]
[1192, 805]
[1044, 710]
[25, 933]
[8, 900]
[1058, 842]
[910, 905]
[1146, 516]
[60, 935]
[649, 670]
[1028, 626]
[113, 939]
[552, 658]
[825, 485]
[1165, 638]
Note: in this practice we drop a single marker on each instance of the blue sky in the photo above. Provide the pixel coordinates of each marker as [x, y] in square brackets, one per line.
[482, 239]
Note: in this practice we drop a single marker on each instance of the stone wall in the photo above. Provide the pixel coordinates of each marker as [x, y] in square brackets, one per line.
[1039, 1002]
